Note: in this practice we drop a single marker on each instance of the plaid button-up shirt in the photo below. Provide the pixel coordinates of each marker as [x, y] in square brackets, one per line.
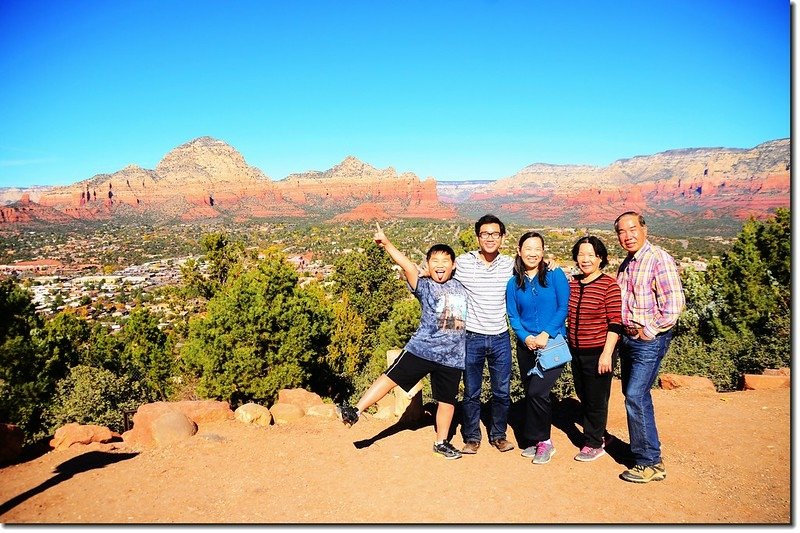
[652, 294]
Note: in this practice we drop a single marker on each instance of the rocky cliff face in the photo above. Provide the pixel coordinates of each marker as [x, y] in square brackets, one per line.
[24, 211]
[207, 178]
[689, 184]
[365, 192]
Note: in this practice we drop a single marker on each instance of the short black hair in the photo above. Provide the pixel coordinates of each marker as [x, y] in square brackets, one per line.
[489, 219]
[598, 246]
[440, 248]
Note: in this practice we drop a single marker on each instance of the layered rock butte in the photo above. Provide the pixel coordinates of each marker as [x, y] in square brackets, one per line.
[689, 184]
[207, 178]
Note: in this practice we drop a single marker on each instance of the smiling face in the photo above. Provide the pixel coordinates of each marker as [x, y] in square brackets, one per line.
[489, 238]
[631, 233]
[441, 266]
[531, 252]
[588, 261]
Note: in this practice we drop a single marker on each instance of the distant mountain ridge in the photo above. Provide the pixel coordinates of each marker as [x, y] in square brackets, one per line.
[686, 184]
[207, 179]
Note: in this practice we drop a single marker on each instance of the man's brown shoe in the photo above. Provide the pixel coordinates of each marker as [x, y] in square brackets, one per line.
[471, 447]
[502, 444]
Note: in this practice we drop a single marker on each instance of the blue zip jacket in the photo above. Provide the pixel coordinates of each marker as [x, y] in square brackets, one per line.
[533, 308]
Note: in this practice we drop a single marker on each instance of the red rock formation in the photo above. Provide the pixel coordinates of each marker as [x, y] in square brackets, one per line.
[74, 433]
[207, 178]
[700, 183]
[25, 211]
[366, 212]
[366, 192]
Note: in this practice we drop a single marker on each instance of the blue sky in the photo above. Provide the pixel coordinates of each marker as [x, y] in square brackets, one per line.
[453, 90]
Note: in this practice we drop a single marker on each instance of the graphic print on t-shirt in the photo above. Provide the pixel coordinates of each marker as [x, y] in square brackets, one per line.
[451, 311]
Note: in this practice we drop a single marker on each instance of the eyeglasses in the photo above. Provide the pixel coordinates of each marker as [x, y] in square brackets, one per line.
[486, 235]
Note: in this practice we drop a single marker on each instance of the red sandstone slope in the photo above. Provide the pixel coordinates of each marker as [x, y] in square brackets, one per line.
[693, 183]
[24, 211]
[365, 193]
[207, 178]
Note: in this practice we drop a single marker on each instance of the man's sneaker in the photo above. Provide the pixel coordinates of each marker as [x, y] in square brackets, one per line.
[529, 452]
[347, 414]
[447, 450]
[645, 473]
[544, 452]
[588, 453]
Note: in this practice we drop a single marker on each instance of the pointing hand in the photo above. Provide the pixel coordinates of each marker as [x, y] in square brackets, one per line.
[380, 237]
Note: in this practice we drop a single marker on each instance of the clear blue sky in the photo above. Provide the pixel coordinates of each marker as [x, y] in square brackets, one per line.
[453, 90]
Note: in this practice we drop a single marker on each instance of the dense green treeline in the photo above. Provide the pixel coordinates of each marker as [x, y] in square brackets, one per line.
[256, 326]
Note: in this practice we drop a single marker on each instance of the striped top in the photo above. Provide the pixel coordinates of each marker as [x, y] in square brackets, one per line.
[595, 308]
[486, 291]
[652, 294]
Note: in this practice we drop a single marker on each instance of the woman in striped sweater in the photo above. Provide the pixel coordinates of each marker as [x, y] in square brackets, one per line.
[594, 325]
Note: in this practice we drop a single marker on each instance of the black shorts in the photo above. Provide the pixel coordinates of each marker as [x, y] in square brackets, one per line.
[408, 369]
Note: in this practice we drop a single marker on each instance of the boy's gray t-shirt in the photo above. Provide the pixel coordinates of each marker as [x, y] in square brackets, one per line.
[441, 334]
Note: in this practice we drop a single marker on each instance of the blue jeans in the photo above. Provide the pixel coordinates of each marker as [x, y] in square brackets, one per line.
[496, 351]
[640, 361]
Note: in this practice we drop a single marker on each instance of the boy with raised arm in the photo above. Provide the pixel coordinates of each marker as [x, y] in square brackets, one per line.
[435, 349]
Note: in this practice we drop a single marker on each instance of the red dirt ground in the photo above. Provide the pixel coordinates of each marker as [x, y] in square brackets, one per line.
[727, 458]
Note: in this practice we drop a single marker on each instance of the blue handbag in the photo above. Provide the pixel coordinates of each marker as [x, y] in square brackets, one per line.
[555, 354]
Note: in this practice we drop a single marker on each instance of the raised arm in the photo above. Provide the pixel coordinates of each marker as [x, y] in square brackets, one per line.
[408, 266]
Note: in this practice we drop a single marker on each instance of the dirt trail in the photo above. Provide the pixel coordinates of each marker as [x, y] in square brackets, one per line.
[727, 458]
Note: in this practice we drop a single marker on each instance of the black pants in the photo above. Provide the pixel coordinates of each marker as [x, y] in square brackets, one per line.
[593, 391]
[538, 406]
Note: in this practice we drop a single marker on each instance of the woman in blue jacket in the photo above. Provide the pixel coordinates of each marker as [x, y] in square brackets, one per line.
[537, 299]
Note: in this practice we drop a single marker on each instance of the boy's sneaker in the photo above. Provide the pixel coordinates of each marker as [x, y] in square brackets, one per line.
[529, 452]
[645, 473]
[544, 452]
[447, 450]
[588, 453]
[347, 414]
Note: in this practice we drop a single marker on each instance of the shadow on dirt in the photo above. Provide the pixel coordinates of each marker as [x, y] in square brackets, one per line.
[404, 424]
[568, 418]
[66, 470]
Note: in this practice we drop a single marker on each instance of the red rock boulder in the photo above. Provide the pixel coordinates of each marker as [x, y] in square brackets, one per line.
[149, 431]
[283, 413]
[74, 433]
[763, 381]
[677, 381]
[299, 397]
[172, 426]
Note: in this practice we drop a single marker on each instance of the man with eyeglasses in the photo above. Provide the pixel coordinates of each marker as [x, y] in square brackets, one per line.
[484, 274]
